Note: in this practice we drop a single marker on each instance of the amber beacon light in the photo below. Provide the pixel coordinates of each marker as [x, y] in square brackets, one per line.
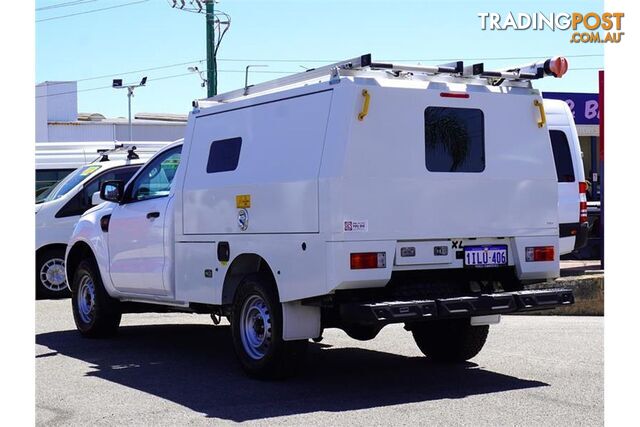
[557, 66]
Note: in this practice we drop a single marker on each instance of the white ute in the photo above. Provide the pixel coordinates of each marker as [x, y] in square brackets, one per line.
[352, 196]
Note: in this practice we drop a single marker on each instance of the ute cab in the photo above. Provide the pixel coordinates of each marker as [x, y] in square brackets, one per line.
[352, 196]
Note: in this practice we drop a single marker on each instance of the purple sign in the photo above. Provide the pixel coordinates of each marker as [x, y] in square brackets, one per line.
[583, 105]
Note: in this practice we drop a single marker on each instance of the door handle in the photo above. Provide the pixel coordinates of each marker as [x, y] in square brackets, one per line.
[151, 215]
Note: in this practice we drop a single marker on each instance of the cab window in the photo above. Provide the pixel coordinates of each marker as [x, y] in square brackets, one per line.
[155, 179]
[123, 174]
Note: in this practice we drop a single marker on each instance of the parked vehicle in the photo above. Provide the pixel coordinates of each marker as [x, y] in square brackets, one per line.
[350, 196]
[58, 212]
[572, 185]
[55, 160]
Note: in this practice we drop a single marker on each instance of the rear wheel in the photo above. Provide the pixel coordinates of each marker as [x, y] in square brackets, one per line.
[95, 313]
[50, 276]
[256, 327]
[451, 341]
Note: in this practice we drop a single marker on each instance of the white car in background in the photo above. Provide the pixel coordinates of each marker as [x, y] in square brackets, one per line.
[55, 160]
[58, 213]
[572, 187]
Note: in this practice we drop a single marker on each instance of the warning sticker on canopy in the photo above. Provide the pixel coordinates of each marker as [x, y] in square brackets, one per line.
[356, 226]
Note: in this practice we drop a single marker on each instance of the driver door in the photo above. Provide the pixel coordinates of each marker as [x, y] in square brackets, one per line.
[137, 228]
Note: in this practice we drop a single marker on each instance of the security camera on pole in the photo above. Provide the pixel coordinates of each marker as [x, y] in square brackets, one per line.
[117, 84]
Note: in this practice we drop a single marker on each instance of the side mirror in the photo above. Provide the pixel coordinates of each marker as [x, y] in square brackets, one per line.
[112, 191]
[95, 199]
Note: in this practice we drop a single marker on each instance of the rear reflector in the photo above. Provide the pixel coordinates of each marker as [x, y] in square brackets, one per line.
[583, 212]
[539, 253]
[360, 261]
[454, 95]
[582, 186]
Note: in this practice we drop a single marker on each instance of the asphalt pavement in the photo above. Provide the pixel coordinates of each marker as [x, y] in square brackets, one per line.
[178, 369]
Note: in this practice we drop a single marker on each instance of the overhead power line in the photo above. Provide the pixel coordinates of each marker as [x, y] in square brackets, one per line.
[160, 67]
[411, 60]
[92, 11]
[65, 4]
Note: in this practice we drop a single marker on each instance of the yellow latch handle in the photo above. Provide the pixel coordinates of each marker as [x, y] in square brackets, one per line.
[543, 116]
[365, 105]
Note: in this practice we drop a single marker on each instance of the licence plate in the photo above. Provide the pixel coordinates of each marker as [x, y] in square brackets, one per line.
[485, 256]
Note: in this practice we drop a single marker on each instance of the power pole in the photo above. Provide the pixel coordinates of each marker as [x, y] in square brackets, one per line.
[212, 80]
[217, 24]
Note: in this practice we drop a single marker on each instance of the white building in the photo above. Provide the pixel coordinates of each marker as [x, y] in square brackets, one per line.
[58, 120]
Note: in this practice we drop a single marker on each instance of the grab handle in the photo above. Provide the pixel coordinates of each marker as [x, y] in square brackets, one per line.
[543, 116]
[365, 105]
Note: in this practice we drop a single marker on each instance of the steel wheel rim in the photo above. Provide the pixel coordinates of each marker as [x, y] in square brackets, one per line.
[255, 327]
[86, 299]
[52, 275]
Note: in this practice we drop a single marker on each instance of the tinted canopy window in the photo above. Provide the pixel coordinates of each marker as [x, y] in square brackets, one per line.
[562, 156]
[224, 155]
[454, 139]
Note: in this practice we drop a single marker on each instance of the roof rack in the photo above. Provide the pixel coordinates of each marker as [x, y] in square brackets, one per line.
[104, 152]
[549, 67]
[349, 64]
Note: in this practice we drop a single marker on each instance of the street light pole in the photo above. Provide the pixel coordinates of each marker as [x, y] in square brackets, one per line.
[129, 95]
[117, 84]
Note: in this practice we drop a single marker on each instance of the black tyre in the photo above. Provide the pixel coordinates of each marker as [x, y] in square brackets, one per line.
[95, 313]
[50, 276]
[450, 341]
[256, 329]
[362, 332]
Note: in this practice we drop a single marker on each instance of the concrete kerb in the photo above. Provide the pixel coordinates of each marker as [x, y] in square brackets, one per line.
[588, 289]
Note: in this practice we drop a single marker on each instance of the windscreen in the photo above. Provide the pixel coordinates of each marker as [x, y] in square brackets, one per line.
[73, 179]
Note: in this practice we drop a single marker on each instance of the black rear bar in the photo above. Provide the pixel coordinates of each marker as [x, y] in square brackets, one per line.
[466, 306]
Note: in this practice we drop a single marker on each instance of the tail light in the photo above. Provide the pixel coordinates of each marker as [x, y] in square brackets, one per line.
[583, 202]
[361, 261]
[539, 253]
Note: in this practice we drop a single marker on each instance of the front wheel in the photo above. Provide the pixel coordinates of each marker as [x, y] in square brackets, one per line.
[50, 276]
[256, 328]
[95, 313]
[450, 341]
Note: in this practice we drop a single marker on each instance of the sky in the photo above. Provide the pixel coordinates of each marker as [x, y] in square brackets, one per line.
[285, 36]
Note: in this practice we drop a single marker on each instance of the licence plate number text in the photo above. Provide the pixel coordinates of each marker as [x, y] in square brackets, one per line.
[485, 255]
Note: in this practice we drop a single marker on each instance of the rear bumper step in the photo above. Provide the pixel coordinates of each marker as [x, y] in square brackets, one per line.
[467, 306]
